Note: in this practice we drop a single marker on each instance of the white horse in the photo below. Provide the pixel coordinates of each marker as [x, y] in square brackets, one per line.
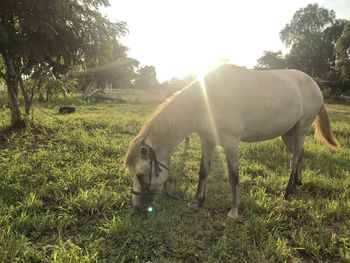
[230, 104]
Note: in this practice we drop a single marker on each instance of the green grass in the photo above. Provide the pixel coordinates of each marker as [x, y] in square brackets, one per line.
[64, 196]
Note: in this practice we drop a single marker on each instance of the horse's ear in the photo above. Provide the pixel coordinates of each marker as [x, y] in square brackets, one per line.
[144, 151]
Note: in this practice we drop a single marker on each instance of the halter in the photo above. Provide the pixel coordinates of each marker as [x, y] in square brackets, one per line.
[157, 169]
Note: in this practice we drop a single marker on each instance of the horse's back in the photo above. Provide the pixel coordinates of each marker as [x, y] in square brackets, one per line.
[258, 105]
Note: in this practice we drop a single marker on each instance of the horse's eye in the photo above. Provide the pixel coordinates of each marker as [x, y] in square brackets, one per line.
[143, 151]
[140, 176]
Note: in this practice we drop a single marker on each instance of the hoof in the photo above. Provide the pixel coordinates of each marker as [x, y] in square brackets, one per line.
[298, 183]
[233, 213]
[288, 196]
[193, 205]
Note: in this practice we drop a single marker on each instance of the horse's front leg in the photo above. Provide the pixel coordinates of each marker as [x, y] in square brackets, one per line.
[232, 159]
[207, 149]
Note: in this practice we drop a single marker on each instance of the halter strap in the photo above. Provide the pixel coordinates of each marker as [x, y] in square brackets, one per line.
[153, 157]
[153, 161]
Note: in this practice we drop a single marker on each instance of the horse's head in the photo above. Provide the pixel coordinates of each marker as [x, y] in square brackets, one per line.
[149, 177]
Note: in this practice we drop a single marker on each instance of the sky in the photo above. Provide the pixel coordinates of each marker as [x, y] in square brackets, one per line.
[181, 37]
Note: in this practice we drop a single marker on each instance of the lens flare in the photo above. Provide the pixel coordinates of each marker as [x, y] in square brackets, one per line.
[201, 81]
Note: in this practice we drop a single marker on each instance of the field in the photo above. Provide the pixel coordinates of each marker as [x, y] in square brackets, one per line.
[65, 197]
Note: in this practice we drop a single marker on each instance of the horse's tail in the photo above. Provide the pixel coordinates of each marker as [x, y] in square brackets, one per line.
[323, 130]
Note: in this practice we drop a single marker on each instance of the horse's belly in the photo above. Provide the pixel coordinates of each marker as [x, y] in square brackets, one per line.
[261, 135]
[270, 128]
[271, 120]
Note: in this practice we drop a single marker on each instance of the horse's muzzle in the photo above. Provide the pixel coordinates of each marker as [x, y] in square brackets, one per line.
[143, 202]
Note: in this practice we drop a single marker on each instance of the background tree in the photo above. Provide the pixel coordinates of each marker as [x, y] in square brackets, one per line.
[112, 68]
[306, 22]
[46, 85]
[56, 35]
[2, 72]
[343, 54]
[147, 78]
[271, 60]
[311, 36]
[314, 54]
[176, 84]
[311, 51]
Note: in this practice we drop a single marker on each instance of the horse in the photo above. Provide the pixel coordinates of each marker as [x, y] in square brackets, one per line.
[228, 105]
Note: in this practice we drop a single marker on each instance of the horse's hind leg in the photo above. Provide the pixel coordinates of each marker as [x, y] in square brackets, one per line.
[288, 142]
[232, 158]
[297, 177]
[294, 140]
[298, 144]
[207, 149]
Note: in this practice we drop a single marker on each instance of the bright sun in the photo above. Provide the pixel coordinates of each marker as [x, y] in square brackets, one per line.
[183, 37]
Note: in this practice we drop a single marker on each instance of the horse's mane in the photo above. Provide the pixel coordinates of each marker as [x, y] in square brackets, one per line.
[159, 124]
[169, 118]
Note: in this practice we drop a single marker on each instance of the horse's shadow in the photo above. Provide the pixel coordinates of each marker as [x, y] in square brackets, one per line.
[276, 165]
[327, 162]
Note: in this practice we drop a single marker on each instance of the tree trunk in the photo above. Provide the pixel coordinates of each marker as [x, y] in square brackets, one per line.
[12, 92]
[48, 94]
[41, 96]
[28, 95]
[40, 91]
[27, 106]
[65, 92]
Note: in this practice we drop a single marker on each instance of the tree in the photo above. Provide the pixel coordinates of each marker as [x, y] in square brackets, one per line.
[176, 84]
[45, 83]
[311, 34]
[147, 78]
[113, 68]
[308, 35]
[308, 21]
[343, 54]
[272, 60]
[1, 71]
[55, 35]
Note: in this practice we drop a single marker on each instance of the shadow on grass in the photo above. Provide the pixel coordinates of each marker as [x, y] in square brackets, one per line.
[327, 163]
[33, 133]
[6, 132]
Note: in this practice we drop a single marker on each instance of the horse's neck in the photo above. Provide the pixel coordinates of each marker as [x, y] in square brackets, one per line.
[165, 143]
[176, 124]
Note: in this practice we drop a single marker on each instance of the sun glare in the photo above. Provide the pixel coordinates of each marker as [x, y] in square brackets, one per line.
[208, 108]
[183, 37]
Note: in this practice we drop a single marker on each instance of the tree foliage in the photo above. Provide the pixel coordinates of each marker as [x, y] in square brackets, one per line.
[114, 68]
[343, 53]
[311, 36]
[147, 78]
[55, 35]
[176, 84]
[308, 21]
[272, 60]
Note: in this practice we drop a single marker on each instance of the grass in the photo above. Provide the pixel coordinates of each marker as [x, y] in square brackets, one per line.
[64, 196]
